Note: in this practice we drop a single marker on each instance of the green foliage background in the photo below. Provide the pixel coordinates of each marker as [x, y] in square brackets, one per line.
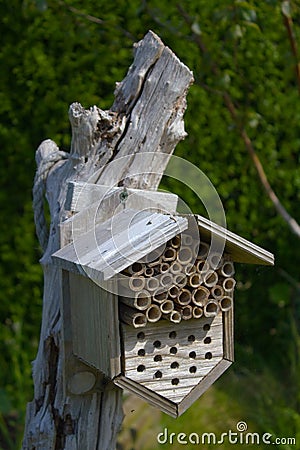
[53, 53]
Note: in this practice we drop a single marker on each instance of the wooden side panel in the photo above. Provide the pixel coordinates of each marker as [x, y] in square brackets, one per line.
[95, 325]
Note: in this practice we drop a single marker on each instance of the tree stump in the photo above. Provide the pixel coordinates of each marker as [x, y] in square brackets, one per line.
[146, 117]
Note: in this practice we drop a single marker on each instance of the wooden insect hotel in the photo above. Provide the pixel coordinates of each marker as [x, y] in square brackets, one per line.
[166, 333]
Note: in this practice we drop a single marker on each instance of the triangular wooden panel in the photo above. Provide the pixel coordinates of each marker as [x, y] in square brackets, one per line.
[118, 242]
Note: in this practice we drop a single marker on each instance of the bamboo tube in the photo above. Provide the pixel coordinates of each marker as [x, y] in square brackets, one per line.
[180, 280]
[174, 316]
[200, 296]
[190, 269]
[152, 284]
[141, 301]
[210, 278]
[184, 298]
[184, 255]
[229, 284]
[195, 280]
[217, 291]
[135, 269]
[225, 303]
[186, 239]
[154, 258]
[166, 280]
[174, 291]
[169, 254]
[197, 312]
[132, 317]
[202, 266]
[176, 241]
[185, 311]
[227, 269]
[176, 267]
[215, 260]
[163, 267]
[136, 283]
[202, 250]
[211, 308]
[160, 295]
[148, 271]
[153, 313]
[167, 306]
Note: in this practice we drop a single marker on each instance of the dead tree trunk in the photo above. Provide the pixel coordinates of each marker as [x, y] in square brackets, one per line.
[147, 116]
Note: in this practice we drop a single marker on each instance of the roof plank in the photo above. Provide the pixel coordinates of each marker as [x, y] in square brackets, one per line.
[118, 242]
[240, 249]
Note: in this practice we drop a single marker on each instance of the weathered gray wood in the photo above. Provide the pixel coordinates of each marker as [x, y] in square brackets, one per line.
[79, 195]
[187, 352]
[104, 208]
[115, 244]
[147, 116]
[240, 249]
[95, 341]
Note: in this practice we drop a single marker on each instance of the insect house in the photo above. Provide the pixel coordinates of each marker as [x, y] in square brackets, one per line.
[165, 330]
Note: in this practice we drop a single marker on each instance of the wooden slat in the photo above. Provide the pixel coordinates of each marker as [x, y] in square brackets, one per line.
[95, 341]
[115, 244]
[240, 249]
[151, 397]
[79, 195]
[228, 330]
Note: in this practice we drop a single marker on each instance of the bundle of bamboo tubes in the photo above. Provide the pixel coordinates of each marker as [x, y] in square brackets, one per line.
[178, 284]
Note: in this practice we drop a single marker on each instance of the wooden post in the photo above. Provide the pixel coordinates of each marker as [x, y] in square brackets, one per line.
[147, 116]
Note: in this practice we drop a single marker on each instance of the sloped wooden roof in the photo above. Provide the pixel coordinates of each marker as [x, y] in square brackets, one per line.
[118, 242]
[240, 249]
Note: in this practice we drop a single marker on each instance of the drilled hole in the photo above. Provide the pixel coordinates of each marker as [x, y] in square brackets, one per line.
[141, 368]
[207, 340]
[157, 358]
[192, 355]
[191, 338]
[174, 365]
[193, 369]
[157, 344]
[172, 335]
[158, 374]
[141, 335]
[173, 350]
[175, 381]
[206, 327]
[141, 352]
[208, 355]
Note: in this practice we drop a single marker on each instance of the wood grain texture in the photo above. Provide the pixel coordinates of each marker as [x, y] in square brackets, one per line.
[169, 359]
[79, 195]
[98, 138]
[115, 244]
[240, 249]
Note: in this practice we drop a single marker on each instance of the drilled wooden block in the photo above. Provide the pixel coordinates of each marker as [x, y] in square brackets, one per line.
[171, 359]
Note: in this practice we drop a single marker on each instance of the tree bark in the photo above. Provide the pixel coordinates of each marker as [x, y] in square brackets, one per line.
[147, 116]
